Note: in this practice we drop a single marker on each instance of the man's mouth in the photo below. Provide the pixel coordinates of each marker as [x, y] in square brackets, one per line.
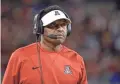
[60, 36]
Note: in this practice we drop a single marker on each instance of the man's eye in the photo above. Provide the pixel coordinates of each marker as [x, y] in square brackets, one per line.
[54, 25]
[51, 26]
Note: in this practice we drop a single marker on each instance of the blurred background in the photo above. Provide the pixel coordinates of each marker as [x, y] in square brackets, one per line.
[95, 33]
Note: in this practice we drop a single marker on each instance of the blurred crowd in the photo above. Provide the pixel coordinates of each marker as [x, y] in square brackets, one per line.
[95, 33]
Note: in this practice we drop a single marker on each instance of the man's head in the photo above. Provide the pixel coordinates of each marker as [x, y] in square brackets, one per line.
[54, 24]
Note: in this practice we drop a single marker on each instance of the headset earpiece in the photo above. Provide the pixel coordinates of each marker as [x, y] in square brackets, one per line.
[68, 26]
[38, 28]
[35, 28]
[68, 29]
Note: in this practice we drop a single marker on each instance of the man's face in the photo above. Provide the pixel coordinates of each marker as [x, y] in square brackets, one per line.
[57, 28]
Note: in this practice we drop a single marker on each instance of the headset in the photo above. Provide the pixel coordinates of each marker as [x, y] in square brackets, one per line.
[38, 24]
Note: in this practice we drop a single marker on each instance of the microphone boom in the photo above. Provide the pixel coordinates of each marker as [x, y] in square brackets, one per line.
[52, 36]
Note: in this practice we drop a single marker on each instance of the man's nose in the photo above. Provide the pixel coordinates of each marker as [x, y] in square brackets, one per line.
[60, 28]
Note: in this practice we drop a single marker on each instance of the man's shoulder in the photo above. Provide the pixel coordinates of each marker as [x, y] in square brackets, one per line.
[72, 52]
[67, 49]
[24, 50]
[73, 56]
[19, 55]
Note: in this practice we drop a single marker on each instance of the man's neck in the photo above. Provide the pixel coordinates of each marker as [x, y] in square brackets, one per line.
[50, 47]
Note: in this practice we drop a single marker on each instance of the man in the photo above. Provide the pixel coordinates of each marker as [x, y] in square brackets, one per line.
[50, 62]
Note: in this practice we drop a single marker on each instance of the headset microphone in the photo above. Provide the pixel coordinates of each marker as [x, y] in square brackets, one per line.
[52, 36]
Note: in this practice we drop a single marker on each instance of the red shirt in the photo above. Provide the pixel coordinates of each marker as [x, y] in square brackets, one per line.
[64, 67]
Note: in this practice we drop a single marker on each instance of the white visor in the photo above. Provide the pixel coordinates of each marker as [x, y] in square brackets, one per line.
[53, 16]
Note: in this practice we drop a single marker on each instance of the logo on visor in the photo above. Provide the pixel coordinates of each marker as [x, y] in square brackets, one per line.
[57, 13]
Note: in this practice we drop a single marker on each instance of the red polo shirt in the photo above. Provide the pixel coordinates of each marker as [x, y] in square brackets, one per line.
[64, 67]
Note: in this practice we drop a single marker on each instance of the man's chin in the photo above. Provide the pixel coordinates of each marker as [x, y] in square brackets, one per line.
[58, 41]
